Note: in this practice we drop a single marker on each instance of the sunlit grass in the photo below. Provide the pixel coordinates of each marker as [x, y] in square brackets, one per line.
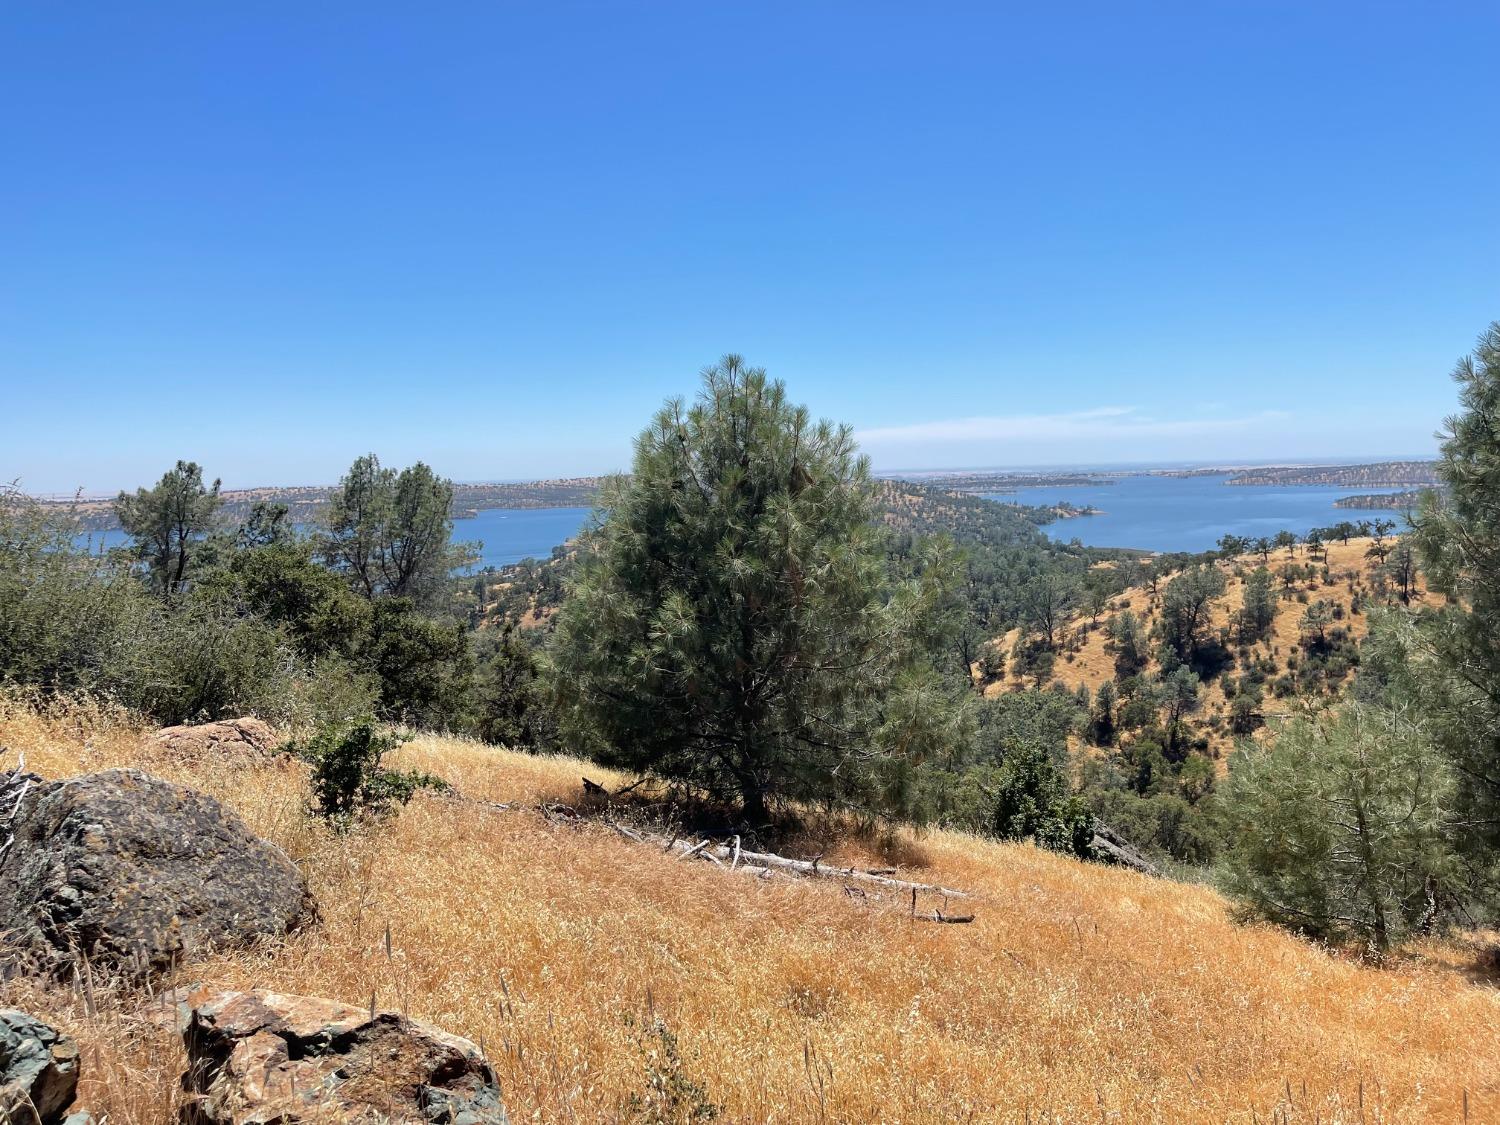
[1080, 993]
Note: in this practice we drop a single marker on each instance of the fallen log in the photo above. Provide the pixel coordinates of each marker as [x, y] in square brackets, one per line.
[736, 858]
[763, 862]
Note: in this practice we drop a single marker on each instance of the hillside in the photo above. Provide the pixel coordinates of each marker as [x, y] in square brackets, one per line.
[1407, 500]
[1379, 474]
[527, 594]
[1351, 578]
[1080, 992]
[305, 503]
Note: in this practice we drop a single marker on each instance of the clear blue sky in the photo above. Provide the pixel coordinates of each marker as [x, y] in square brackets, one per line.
[269, 237]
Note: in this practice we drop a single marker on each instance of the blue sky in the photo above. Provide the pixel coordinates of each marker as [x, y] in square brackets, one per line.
[270, 237]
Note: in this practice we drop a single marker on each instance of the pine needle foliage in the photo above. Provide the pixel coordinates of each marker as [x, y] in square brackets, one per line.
[1342, 827]
[1458, 538]
[733, 626]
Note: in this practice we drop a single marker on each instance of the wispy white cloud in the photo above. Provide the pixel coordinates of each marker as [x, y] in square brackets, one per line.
[1107, 423]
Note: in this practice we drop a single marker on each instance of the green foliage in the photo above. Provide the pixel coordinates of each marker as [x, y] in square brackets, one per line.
[1186, 612]
[1047, 601]
[512, 708]
[425, 665]
[1018, 786]
[389, 533]
[1258, 613]
[1342, 827]
[731, 624]
[1163, 823]
[1448, 662]
[348, 779]
[1030, 799]
[669, 1096]
[167, 523]
[68, 620]
[1245, 715]
[1129, 644]
[1102, 719]
[279, 580]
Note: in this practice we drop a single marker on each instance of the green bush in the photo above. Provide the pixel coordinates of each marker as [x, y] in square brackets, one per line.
[348, 780]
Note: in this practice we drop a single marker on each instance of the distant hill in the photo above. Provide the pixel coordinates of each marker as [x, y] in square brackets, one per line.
[1406, 500]
[1379, 474]
[1008, 481]
[528, 593]
[305, 502]
[930, 509]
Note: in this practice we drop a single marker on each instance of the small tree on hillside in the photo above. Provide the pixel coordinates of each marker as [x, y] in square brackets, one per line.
[1258, 613]
[1342, 827]
[1402, 566]
[731, 624]
[1128, 643]
[168, 522]
[1046, 602]
[1187, 609]
[1314, 542]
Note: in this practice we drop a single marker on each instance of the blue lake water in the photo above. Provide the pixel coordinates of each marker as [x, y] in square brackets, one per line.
[507, 535]
[512, 534]
[97, 541]
[1148, 513]
[1190, 513]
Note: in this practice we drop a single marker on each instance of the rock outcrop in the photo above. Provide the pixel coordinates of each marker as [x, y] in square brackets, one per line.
[262, 1056]
[38, 1071]
[133, 873]
[248, 741]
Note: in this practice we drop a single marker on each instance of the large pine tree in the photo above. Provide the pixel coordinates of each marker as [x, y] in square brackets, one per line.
[732, 624]
[1458, 538]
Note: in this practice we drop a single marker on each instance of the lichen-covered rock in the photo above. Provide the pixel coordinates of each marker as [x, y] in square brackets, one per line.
[248, 741]
[262, 1056]
[38, 1071]
[134, 873]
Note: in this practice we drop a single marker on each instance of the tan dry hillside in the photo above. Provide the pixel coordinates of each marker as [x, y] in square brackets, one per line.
[1349, 568]
[1080, 993]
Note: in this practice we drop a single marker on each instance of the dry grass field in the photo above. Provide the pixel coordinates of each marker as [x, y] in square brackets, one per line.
[1080, 993]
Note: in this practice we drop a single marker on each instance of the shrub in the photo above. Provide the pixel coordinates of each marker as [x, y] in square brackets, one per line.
[348, 779]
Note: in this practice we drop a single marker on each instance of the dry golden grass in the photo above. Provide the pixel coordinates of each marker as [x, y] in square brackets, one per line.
[1081, 993]
[1092, 664]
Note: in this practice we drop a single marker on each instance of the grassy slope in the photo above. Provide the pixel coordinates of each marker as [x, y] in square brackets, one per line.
[1080, 993]
[1093, 664]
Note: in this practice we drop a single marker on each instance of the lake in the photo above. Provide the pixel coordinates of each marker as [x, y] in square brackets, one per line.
[512, 534]
[508, 534]
[1145, 512]
[1190, 513]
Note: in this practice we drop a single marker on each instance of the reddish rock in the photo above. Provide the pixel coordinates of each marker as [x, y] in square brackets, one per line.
[243, 740]
[261, 1056]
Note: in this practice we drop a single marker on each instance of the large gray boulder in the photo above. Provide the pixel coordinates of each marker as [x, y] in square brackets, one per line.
[38, 1070]
[261, 1056]
[133, 873]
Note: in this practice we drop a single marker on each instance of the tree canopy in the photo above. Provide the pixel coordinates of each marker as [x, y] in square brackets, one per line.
[731, 624]
[168, 521]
